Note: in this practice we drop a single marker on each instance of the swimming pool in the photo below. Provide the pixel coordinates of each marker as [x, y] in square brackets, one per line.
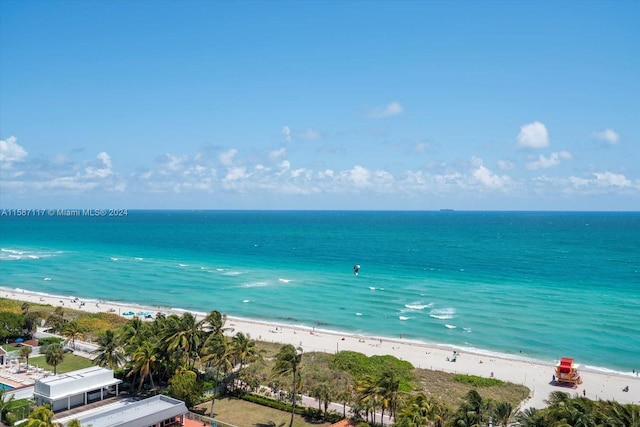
[4, 386]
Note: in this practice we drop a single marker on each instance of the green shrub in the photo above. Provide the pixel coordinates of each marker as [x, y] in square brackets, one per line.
[271, 403]
[49, 340]
[10, 418]
[476, 381]
[333, 417]
[359, 365]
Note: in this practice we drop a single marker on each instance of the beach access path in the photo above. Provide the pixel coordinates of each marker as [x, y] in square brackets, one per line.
[536, 375]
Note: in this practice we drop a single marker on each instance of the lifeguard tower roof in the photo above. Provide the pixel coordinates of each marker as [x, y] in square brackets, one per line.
[566, 364]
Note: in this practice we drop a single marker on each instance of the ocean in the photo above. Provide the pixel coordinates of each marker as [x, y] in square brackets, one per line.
[539, 285]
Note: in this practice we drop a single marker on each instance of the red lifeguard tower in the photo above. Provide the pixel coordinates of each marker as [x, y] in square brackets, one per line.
[567, 372]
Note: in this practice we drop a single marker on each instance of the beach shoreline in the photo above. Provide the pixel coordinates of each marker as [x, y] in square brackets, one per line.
[535, 374]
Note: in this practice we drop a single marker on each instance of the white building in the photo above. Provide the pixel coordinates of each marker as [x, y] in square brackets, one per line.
[156, 411]
[65, 391]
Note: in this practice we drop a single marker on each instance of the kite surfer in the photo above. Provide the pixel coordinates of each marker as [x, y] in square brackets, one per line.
[356, 268]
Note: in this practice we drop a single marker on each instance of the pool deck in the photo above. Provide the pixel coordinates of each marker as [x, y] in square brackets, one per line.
[16, 374]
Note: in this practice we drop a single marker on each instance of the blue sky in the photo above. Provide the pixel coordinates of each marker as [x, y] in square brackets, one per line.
[320, 105]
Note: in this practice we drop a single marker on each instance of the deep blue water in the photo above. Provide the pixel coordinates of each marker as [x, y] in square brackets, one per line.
[549, 284]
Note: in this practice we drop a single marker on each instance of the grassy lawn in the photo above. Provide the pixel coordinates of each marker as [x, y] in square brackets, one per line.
[70, 363]
[442, 387]
[246, 414]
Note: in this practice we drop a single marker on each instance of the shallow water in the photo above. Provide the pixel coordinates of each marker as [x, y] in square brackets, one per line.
[530, 284]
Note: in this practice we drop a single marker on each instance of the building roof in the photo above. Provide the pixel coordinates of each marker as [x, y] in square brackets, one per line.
[74, 383]
[346, 422]
[131, 413]
[30, 343]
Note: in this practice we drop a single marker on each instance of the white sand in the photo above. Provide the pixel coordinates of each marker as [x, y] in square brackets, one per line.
[533, 374]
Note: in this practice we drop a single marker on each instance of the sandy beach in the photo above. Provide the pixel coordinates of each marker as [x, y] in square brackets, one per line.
[534, 374]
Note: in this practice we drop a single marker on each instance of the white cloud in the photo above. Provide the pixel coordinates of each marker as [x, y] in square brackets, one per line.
[300, 173]
[506, 165]
[10, 151]
[609, 179]
[236, 174]
[392, 109]
[603, 183]
[533, 135]
[100, 172]
[285, 166]
[327, 173]
[425, 146]
[286, 131]
[275, 155]
[226, 158]
[486, 177]
[310, 134]
[170, 164]
[275, 176]
[549, 162]
[358, 176]
[609, 136]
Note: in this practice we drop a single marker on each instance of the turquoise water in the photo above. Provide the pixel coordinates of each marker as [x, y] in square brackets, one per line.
[526, 284]
[4, 387]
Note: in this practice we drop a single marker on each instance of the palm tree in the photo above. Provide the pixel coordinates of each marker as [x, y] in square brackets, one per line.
[133, 333]
[41, 416]
[288, 361]
[389, 385]
[475, 406]
[243, 349]
[184, 333]
[415, 413]
[54, 355]
[5, 404]
[55, 321]
[322, 391]
[472, 412]
[503, 412]
[214, 323]
[369, 396]
[30, 319]
[25, 351]
[531, 417]
[422, 411]
[71, 331]
[576, 411]
[109, 353]
[144, 362]
[217, 351]
[616, 414]
[74, 423]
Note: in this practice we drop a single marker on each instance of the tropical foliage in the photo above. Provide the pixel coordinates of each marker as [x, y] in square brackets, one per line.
[183, 356]
[54, 355]
[11, 325]
[578, 411]
[288, 363]
[42, 416]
